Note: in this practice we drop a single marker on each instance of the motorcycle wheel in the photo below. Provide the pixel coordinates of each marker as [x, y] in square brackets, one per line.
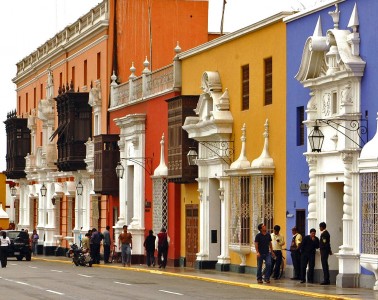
[75, 262]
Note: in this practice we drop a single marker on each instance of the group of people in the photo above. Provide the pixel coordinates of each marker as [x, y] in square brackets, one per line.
[159, 242]
[303, 254]
[91, 243]
[269, 249]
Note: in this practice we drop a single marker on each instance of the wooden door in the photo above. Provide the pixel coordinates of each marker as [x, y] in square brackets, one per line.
[191, 234]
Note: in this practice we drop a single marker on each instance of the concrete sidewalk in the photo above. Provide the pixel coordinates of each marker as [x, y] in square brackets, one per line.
[243, 280]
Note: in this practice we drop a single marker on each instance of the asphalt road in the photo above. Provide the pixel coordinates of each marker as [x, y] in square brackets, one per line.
[55, 280]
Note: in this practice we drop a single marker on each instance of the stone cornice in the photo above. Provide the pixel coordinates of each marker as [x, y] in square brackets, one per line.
[72, 36]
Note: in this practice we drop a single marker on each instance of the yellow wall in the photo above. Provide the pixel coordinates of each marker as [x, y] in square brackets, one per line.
[4, 223]
[228, 59]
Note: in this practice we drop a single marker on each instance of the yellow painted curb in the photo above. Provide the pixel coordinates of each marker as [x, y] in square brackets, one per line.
[221, 281]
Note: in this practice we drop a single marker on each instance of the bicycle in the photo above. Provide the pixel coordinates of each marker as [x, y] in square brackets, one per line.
[115, 257]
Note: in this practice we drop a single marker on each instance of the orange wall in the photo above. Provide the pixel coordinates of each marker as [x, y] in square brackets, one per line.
[185, 21]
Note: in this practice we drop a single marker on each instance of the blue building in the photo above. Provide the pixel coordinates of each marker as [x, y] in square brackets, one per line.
[331, 81]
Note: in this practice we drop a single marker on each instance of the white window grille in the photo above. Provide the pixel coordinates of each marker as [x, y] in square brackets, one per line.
[369, 202]
[240, 210]
[262, 198]
[160, 204]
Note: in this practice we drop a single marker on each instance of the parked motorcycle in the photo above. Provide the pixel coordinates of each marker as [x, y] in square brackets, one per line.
[79, 257]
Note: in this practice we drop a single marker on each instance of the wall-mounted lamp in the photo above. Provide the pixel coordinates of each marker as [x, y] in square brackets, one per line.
[13, 191]
[222, 149]
[144, 162]
[43, 190]
[316, 137]
[53, 200]
[304, 187]
[79, 188]
[289, 215]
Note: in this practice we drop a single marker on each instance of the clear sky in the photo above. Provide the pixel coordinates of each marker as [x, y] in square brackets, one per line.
[27, 24]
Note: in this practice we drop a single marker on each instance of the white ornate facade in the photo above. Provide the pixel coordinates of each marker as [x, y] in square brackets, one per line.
[332, 69]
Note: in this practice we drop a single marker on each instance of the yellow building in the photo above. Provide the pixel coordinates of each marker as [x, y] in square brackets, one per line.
[241, 112]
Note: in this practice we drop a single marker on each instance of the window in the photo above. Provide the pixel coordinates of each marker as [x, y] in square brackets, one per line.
[85, 72]
[160, 203]
[240, 210]
[27, 102]
[268, 81]
[61, 79]
[19, 103]
[35, 98]
[369, 207]
[73, 77]
[41, 91]
[334, 103]
[262, 199]
[245, 87]
[300, 126]
[98, 65]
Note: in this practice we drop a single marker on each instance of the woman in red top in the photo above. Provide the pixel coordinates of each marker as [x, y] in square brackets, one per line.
[162, 246]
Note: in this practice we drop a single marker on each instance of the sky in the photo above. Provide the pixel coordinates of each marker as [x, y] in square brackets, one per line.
[27, 24]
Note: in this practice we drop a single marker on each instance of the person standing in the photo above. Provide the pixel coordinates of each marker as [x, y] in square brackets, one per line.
[264, 251]
[106, 243]
[325, 251]
[295, 253]
[149, 245]
[95, 245]
[125, 244]
[162, 242]
[35, 238]
[308, 249]
[4, 244]
[278, 241]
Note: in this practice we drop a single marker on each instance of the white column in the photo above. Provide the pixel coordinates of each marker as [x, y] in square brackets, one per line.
[312, 164]
[203, 253]
[224, 257]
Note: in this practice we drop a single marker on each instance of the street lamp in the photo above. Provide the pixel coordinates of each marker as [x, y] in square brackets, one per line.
[120, 170]
[316, 138]
[79, 188]
[222, 149]
[192, 156]
[13, 191]
[144, 162]
[43, 190]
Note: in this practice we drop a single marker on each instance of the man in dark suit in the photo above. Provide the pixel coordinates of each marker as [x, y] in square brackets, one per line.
[308, 249]
[325, 251]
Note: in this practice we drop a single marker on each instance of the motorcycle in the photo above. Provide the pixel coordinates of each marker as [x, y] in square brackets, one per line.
[79, 257]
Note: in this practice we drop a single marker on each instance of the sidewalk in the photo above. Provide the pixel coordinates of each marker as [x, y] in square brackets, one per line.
[243, 280]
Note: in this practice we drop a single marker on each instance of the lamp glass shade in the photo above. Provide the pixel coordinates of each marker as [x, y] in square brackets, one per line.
[43, 190]
[192, 156]
[120, 170]
[316, 139]
[79, 188]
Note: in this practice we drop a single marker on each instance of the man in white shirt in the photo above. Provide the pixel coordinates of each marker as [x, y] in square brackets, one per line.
[278, 241]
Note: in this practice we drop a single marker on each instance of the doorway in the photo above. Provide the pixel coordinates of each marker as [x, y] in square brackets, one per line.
[191, 242]
[214, 216]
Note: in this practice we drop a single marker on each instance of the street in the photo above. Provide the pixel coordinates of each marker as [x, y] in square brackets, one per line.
[57, 280]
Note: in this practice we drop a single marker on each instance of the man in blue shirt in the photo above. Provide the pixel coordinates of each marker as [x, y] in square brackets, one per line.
[264, 251]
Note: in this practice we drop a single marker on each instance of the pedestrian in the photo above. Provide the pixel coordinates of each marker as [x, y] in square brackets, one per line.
[80, 236]
[106, 243]
[35, 238]
[264, 251]
[125, 244]
[295, 253]
[4, 245]
[149, 245]
[86, 246]
[278, 241]
[325, 251]
[162, 242]
[308, 249]
[95, 244]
